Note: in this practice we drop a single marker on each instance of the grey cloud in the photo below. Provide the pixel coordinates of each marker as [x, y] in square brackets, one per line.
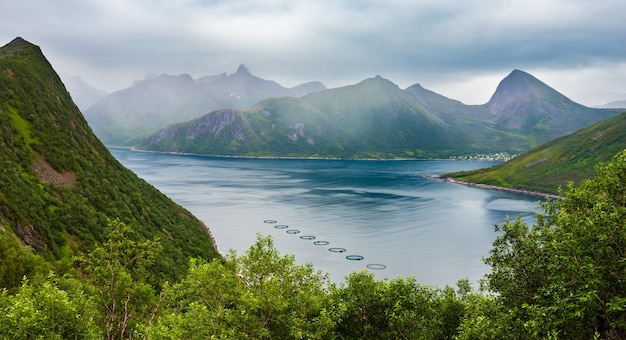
[330, 41]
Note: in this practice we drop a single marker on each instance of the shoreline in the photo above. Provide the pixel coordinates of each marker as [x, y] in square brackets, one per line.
[134, 149]
[494, 187]
[208, 230]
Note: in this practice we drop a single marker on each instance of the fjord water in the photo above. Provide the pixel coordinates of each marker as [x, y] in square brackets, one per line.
[388, 212]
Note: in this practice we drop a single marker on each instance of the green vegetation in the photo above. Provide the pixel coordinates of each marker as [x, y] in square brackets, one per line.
[59, 185]
[373, 119]
[571, 158]
[561, 278]
[90, 251]
[377, 119]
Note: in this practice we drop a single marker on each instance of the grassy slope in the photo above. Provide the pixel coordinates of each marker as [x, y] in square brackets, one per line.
[373, 119]
[552, 165]
[59, 184]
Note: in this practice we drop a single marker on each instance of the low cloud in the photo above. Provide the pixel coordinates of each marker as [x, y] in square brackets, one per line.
[441, 45]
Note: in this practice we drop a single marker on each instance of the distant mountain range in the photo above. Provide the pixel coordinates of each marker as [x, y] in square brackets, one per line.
[614, 104]
[83, 94]
[549, 166]
[126, 117]
[377, 119]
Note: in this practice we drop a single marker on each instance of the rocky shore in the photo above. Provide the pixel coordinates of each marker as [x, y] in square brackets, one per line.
[493, 187]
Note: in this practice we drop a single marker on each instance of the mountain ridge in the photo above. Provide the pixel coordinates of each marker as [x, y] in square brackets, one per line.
[395, 123]
[126, 116]
[59, 184]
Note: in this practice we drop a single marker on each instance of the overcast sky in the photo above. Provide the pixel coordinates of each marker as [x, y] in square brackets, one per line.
[460, 49]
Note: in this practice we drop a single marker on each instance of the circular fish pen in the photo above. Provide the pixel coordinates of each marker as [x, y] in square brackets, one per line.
[355, 257]
[281, 226]
[307, 237]
[269, 221]
[321, 243]
[376, 266]
[337, 250]
[293, 231]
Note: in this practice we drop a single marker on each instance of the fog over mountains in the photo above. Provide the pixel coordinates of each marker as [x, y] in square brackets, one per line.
[614, 105]
[377, 119]
[126, 116]
[83, 94]
[374, 119]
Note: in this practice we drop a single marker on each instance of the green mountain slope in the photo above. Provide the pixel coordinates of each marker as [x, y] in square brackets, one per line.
[59, 184]
[471, 122]
[554, 164]
[377, 119]
[373, 119]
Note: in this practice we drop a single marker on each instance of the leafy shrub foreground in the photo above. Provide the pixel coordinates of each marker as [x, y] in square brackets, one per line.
[560, 278]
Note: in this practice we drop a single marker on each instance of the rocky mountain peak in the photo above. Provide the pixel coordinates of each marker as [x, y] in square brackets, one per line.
[242, 70]
[515, 82]
[379, 81]
[19, 47]
[18, 41]
[518, 89]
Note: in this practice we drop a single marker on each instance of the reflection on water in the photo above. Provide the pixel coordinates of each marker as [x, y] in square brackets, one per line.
[383, 211]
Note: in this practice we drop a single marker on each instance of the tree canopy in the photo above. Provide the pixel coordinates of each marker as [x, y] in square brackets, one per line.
[561, 278]
[565, 275]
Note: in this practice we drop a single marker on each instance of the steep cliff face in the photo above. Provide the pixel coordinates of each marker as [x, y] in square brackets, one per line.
[59, 184]
[224, 130]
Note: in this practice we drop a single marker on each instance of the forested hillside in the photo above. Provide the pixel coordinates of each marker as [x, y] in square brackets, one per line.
[59, 185]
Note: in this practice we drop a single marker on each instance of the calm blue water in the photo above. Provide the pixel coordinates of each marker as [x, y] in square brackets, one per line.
[384, 211]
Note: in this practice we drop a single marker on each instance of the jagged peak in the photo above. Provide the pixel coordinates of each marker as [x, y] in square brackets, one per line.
[416, 86]
[518, 72]
[243, 70]
[516, 83]
[18, 41]
[517, 75]
[378, 81]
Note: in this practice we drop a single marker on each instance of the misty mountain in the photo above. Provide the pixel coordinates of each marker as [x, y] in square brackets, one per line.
[377, 119]
[524, 104]
[83, 94]
[125, 117]
[521, 105]
[618, 104]
[372, 119]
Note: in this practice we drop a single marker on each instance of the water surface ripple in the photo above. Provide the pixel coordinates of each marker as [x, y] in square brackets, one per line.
[399, 221]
